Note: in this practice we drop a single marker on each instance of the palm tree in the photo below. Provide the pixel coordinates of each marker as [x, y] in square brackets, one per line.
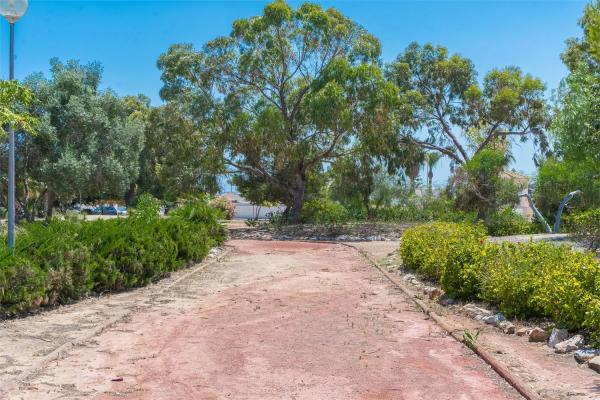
[431, 160]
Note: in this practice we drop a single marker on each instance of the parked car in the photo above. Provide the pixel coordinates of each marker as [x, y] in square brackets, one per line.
[106, 209]
[83, 208]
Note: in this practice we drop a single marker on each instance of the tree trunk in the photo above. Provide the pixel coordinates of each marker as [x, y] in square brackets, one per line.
[49, 203]
[367, 203]
[298, 200]
[430, 181]
[130, 194]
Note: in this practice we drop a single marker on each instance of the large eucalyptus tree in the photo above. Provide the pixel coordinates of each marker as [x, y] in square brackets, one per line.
[283, 93]
[458, 116]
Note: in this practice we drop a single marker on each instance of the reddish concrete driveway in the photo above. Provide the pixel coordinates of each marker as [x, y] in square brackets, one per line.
[276, 320]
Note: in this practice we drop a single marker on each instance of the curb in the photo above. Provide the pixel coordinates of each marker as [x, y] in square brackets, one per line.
[55, 354]
[486, 356]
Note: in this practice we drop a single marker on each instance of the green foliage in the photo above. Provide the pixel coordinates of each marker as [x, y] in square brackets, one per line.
[177, 159]
[479, 186]
[522, 279]
[424, 209]
[22, 284]
[15, 99]
[585, 227]
[449, 103]
[592, 28]
[575, 124]
[540, 279]
[147, 208]
[65, 260]
[88, 140]
[555, 179]
[446, 252]
[507, 222]
[324, 211]
[284, 92]
[198, 211]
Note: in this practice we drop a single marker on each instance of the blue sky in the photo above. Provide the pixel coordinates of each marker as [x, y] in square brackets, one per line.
[128, 36]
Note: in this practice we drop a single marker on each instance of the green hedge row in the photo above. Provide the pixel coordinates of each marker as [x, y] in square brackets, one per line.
[522, 279]
[65, 260]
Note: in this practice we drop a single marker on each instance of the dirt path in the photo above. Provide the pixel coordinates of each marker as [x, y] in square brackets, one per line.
[275, 320]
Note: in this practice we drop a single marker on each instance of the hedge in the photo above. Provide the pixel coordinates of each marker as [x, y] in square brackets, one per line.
[62, 261]
[522, 280]
[445, 252]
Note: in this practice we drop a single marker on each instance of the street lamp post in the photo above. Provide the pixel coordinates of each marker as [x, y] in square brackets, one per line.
[12, 10]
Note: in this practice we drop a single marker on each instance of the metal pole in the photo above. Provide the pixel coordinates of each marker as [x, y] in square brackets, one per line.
[11, 152]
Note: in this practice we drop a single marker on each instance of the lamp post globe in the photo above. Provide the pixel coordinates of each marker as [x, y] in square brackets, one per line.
[12, 10]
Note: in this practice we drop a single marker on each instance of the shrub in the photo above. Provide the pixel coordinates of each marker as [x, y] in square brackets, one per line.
[522, 279]
[425, 209]
[445, 252]
[58, 251]
[225, 205]
[507, 222]
[539, 279]
[199, 212]
[506, 278]
[585, 227]
[323, 211]
[22, 284]
[128, 253]
[64, 260]
[147, 208]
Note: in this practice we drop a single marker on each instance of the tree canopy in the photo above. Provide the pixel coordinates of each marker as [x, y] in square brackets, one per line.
[457, 116]
[285, 92]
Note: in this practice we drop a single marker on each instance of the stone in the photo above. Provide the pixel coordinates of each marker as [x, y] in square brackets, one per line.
[432, 292]
[557, 336]
[507, 327]
[584, 355]
[446, 301]
[594, 363]
[374, 238]
[393, 268]
[522, 332]
[538, 335]
[569, 345]
[495, 319]
[472, 310]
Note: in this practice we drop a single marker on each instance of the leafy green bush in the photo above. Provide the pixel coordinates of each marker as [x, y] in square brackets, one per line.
[507, 222]
[324, 211]
[522, 279]
[555, 179]
[199, 212]
[22, 284]
[147, 208]
[57, 249]
[445, 252]
[585, 227]
[540, 279]
[128, 253]
[64, 260]
[425, 209]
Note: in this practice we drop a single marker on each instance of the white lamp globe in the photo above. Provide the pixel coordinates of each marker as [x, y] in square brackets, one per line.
[12, 10]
